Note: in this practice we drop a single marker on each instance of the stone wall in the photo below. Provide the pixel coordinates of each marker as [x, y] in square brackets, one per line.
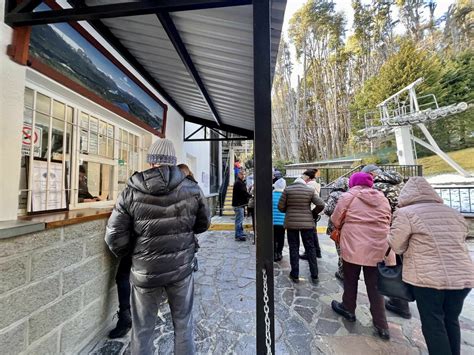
[56, 289]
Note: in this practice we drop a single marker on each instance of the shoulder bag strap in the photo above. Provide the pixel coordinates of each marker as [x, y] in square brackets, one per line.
[345, 211]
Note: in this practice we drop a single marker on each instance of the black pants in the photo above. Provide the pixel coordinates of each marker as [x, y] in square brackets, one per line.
[316, 241]
[122, 279]
[349, 297]
[294, 244]
[278, 239]
[439, 313]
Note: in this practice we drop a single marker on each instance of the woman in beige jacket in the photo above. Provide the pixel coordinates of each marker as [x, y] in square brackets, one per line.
[431, 237]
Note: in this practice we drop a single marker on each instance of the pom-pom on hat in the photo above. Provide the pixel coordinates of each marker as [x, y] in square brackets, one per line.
[162, 152]
[361, 179]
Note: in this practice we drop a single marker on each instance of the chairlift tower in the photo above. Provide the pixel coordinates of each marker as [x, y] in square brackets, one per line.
[401, 111]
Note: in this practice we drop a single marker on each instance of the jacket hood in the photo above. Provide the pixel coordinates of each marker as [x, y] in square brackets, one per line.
[418, 190]
[157, 181]
[341, 184]
[368, 195]
[389, 177]
[299, 181]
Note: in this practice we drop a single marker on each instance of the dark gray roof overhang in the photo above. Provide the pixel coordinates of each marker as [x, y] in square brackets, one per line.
[198, 54]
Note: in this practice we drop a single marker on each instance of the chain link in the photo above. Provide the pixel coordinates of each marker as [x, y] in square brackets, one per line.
[266, 309]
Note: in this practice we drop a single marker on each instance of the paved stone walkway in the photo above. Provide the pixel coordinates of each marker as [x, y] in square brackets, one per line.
[224, 309]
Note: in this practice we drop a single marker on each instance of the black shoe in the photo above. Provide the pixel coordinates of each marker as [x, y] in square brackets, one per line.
[318, 255]
[339, 308]
[295, 279]
[393, 308]
[123, 326]
[339, 275]
[383, 333]
[240, 239]
[314, 280]
[303, 256]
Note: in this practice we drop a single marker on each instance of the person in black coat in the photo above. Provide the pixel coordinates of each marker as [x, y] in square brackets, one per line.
[155, 219]
[240, 199]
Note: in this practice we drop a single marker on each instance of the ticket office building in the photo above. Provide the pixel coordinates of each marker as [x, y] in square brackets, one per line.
[76, 121]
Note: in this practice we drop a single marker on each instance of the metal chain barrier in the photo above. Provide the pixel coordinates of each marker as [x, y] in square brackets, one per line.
[266, 309]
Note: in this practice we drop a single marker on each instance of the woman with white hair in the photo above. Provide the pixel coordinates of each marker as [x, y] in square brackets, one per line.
[278, 220]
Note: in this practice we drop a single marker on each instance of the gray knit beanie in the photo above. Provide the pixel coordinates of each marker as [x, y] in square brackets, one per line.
[161, 152]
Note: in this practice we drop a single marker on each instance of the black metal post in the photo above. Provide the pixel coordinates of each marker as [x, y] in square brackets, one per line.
[263, 171]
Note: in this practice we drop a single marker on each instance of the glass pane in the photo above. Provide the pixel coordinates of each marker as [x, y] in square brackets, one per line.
[42, 130]
[68, 139]
[29, 95]
[84, 141]
[110, 148]
[59, 110]
[102, 145]
[135, 144]
[110, 131]
[85, 120]
[27, 115]
[57, 139]
[94, 125]
[69, 113]
[43, 103]
[23, 194]
[94, 143]
[93, 136]
[102, 128]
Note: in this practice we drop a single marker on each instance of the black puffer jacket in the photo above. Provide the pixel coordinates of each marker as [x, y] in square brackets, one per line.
[155, 218]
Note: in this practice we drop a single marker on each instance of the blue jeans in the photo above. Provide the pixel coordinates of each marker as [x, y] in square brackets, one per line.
[239, 220]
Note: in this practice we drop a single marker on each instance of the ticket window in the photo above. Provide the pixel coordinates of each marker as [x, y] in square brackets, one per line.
[95, 182]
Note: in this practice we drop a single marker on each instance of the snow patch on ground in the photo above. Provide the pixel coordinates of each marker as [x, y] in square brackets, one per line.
[450, 179]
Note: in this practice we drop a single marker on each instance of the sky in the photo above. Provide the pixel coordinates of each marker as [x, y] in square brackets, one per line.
[341, 6]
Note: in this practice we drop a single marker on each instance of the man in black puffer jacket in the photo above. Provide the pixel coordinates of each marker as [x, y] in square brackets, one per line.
[155, 220]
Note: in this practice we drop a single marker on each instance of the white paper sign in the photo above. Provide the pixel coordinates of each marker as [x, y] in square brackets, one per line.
[56, 197]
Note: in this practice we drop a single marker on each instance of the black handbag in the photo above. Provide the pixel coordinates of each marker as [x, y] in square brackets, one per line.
[390, 282]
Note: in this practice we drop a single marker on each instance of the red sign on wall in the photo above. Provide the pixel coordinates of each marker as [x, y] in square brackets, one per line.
[28, 137]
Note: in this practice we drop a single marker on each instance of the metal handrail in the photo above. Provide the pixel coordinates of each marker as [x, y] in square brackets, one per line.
[224, 185]
[460, 198]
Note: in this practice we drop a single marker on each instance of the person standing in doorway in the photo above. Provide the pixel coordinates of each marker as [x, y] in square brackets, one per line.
[296, 201]
[390, 184]
[240, 199]
[155, 219]
[432, 239]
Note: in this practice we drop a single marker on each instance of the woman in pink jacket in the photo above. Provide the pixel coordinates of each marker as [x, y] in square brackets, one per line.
[364, 215]
[436, 262]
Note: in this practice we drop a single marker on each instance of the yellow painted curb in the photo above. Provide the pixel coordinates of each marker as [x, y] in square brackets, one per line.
[231, 227]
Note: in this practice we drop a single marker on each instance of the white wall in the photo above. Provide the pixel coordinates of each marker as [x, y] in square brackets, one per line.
[200, 151]
[12, 86]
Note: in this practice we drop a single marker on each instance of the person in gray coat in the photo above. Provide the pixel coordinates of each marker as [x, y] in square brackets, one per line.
[296, 201]
[155, 219]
